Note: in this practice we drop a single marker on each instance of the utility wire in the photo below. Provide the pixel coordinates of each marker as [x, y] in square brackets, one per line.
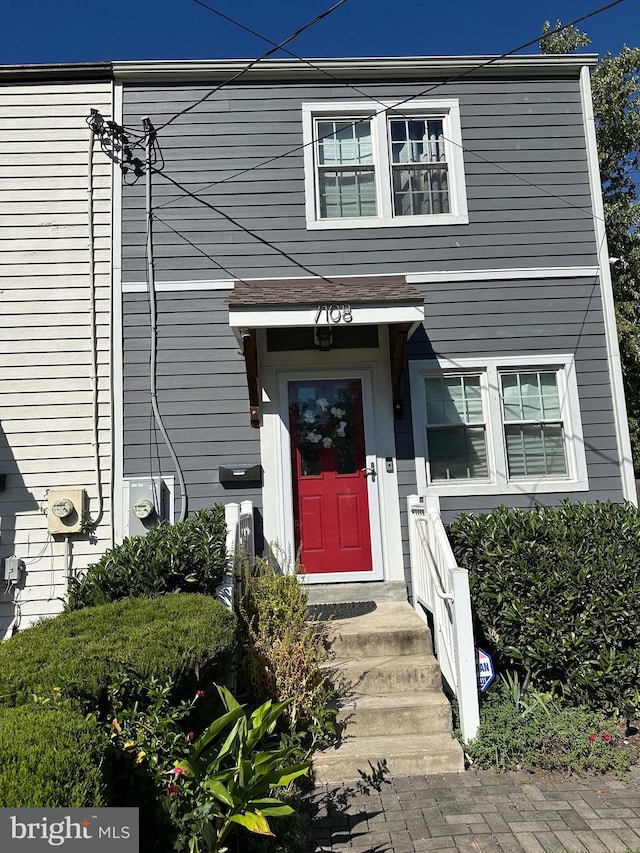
[197, 197]
[198, 249]
[254, 62]
[246, 230]
[395, 107]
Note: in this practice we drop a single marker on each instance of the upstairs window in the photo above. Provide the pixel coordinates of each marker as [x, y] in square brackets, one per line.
[370, 167]
[420, 176]
[346, 171]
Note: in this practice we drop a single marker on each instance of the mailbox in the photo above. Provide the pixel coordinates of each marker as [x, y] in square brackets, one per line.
[240, 474]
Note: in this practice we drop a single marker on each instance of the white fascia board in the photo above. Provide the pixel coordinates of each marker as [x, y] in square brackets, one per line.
[177, 286]
[606, 289]
[426, 277]
[363, 315]
[407, 67]
[504, 274]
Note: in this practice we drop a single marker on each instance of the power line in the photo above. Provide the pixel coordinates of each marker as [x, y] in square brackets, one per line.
[395, 107]
[198, 249]
[246, 230]
[254, 62]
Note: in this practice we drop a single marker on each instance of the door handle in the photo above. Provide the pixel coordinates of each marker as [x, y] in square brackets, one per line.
[370, 472]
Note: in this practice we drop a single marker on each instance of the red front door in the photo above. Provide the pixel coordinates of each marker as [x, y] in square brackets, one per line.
[331, 509]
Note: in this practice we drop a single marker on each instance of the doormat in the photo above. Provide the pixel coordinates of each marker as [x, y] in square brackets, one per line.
[344, 610]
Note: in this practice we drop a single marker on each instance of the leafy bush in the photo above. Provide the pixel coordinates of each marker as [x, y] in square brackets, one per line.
[546, 737]
[230, 776]
[556, 591]
[192, 788]
[50, 758]
[282, 650]
[189, 556]
[186, 638]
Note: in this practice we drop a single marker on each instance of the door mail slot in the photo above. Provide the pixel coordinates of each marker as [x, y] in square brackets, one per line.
[240, 475]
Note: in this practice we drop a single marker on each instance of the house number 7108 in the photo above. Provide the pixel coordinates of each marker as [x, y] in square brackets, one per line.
[333, 314]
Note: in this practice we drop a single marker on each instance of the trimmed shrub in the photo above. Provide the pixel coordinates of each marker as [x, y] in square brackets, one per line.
[50, 758]
[189, 556]
[556, 592]
[188, 639]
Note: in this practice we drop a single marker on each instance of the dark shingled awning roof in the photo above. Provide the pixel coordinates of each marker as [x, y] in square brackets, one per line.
[299, 302]
[310, 291]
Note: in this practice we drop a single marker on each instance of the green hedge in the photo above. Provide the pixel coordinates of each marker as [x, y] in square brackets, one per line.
[557, 591]
[189, 556]
[187, 638]
[50, 758]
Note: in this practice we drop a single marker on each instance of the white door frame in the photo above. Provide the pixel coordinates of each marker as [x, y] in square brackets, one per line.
[365, 378]
[372, 368]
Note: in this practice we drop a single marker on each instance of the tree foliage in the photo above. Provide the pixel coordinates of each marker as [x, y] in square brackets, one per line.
[615, 84]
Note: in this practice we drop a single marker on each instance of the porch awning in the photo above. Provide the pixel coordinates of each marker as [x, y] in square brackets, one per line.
[325, 302]
[271, 303]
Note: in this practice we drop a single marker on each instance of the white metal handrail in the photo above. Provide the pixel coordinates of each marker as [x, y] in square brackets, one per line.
[440, 586]
[240, 546]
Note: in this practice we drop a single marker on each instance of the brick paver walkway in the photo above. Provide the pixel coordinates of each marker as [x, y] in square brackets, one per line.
[478, 811]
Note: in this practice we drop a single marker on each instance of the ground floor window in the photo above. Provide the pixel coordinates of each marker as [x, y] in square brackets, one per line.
[498, 425]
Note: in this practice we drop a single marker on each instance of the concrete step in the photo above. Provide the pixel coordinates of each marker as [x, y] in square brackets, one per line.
[425, 712]
[394, 628]
[366, 757]
[388, 674]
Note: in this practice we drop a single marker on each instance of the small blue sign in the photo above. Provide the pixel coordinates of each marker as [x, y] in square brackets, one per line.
[485, 670]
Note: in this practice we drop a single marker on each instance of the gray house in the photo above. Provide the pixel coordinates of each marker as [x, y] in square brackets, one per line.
[357, 281]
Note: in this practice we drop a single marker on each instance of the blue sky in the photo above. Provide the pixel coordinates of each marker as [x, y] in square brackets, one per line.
[44, 31]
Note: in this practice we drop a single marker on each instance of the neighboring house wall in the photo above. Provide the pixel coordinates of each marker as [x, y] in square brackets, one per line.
[46, 397]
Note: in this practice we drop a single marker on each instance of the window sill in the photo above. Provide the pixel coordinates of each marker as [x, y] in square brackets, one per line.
[393, 222]
[515, 487]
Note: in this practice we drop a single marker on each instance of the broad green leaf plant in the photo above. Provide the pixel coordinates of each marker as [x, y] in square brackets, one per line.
[228, 781]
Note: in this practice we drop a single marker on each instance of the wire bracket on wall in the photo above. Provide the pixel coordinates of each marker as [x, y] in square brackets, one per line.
[126, 146]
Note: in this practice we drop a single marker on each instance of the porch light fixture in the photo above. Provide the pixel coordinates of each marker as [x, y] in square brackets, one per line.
[323, 338]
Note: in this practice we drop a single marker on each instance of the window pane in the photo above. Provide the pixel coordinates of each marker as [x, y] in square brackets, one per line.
[417, 140]
[347, 194]
[550, 399]
[530, 396]
[344, 142]
[420, 191]
[454, 400]
[457, 453]
[535, 450]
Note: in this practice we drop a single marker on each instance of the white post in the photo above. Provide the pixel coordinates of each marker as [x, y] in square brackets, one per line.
[246, 511]
[465, 656]
[224, 592]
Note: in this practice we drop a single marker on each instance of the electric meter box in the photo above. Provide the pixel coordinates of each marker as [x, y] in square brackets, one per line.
[65, 510]
[147, 500]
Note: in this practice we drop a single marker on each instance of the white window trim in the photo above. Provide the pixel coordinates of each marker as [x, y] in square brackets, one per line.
[498, 481]
[448, 109]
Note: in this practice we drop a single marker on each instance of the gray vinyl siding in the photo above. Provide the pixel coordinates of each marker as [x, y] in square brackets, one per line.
[202, 395]
[529, 205]
[526, 176]
[517, 318]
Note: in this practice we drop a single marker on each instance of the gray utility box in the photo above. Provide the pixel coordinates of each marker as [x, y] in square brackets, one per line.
[147, 500]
